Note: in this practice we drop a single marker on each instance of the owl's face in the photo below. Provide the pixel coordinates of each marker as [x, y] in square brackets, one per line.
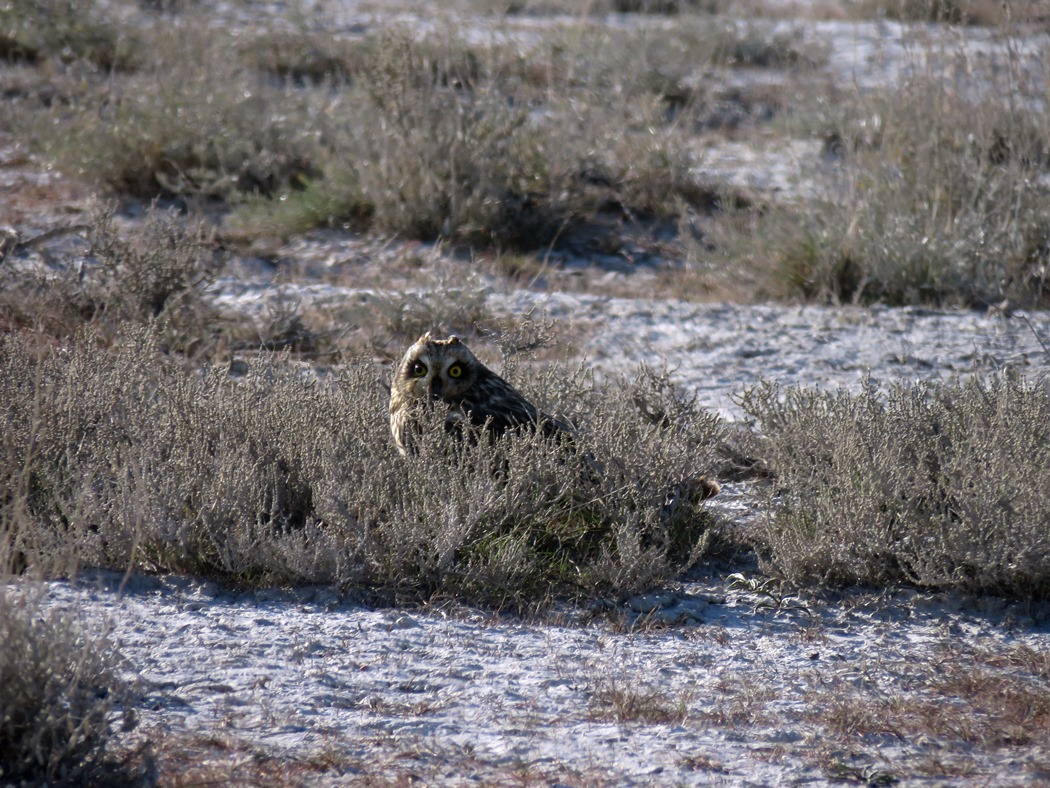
[435, 370]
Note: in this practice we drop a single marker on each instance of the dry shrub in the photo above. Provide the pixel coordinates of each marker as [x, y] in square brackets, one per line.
[956, 12]
[304, 57]
[946, 486]
[602, 7]
[157, 272]
[189, 122]
[437, 137]
[154, 273]
[939, 200]
[418, 149]
[60, 695]
[431, 136]
[122, 458]
[450, 163]
[65, 30]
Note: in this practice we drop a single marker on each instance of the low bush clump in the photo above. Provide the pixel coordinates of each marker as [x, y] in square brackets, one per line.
[189, 122]
[945, 486]
[940, 207]
[436, 140]
[155, 274]
[60, 695]
[122, 458]
[35, 30]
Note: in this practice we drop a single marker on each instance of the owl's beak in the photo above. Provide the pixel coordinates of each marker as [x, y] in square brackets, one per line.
[435, 389]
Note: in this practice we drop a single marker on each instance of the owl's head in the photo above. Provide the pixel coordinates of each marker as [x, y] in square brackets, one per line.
[437, 369]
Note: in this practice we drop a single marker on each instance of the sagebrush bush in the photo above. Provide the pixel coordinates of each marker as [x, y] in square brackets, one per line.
[122, 458]
[35, 30]
[190, 122]
[158, 273]
[448, 162]
[945, 486]
[938, 202]
[505, 145]
[439, 138]
[956, 12]
[61, 695]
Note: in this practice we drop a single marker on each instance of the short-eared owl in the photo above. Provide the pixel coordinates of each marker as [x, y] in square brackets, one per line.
[444, 370]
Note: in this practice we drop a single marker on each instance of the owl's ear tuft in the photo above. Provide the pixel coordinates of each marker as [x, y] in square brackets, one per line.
[454, 340]
[425, 338]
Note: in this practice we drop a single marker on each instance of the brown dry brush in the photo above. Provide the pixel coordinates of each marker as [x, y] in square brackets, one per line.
[944, 486]
[943, 208]
[121, 458]
[62, 695]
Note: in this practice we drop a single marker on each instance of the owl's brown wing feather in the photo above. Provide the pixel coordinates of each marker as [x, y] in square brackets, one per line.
[494, 402]
[501, 407]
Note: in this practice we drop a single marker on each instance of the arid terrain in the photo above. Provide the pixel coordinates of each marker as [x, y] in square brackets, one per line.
[214, 215]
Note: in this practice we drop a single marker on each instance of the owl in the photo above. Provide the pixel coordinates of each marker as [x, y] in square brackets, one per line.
[444, 370]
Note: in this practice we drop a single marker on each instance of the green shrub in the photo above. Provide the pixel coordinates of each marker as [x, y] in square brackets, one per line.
[945, 486]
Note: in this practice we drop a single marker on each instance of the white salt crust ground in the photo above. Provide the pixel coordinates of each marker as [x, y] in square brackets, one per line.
[747, 693]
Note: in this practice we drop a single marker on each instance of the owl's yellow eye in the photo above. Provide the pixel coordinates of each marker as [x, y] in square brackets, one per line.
[455, 371]
[418, 370]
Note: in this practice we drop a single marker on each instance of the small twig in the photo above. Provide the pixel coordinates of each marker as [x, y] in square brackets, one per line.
[11, 239]
[1039, 339]
[54, 232]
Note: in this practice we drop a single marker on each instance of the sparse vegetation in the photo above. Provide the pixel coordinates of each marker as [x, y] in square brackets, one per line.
[1001, 710]
[934, 215]
[628, 701]
[192, 123]
[33, 31]
[944, 486]
[432, 136]
[953, 12]
[157, 274]
[929, 208]
[151, 426]
[60, 695]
